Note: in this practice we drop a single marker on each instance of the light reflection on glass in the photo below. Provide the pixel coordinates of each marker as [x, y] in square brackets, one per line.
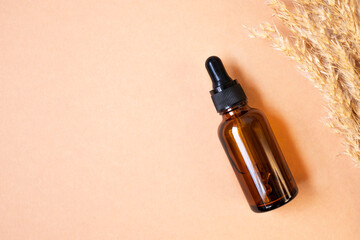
[253, 170]
[274, 165]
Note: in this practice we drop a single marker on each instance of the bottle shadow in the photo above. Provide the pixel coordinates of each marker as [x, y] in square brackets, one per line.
[280, 129]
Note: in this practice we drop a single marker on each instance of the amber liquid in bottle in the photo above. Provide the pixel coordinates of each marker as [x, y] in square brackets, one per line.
[256, 158]
[250, 144]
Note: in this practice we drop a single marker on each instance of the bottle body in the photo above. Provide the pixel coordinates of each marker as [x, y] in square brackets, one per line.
[256, 158]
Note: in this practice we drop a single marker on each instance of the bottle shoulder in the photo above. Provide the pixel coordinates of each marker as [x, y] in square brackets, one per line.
[248, 114]
[242, 119]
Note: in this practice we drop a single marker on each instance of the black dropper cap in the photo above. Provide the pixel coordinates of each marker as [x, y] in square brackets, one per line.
[226, 91]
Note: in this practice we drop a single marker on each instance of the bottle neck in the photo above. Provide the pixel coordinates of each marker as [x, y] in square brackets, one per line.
[238, 109]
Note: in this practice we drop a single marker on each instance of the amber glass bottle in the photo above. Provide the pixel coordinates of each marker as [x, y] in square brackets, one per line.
[250, 144]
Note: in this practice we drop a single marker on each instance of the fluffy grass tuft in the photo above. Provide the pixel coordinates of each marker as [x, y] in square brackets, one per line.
[324, 38]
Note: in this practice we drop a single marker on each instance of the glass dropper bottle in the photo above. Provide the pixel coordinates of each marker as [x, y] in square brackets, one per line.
[250, 144]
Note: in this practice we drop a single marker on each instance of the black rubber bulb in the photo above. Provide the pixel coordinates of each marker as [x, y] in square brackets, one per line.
[226, 92]
[217, 72]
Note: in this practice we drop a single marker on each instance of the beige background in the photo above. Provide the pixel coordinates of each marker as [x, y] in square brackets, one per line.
[108, 131]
